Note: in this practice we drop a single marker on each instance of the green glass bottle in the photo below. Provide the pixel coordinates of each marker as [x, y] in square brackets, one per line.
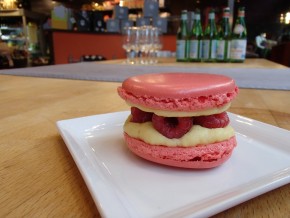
[182, 39]
[224, 38]
[239, 38]
[209, 42]
[195, 39]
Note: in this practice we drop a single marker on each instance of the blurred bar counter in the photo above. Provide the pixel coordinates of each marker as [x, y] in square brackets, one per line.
[69, 46]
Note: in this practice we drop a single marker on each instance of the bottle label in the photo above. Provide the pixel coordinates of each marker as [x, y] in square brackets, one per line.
[228, 48]
[238, 29]
[238, 49]
[195, 49]
[226, 14]
[180, 49]
[209, 49]
[223, 50]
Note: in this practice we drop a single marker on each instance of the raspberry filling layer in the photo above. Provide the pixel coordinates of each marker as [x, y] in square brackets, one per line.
[176, 127]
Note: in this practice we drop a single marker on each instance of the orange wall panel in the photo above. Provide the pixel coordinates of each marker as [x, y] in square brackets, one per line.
[74, 45]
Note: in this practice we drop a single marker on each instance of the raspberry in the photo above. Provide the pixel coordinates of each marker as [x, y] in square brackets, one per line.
[139, 116]
[212, 121]
[172, 127]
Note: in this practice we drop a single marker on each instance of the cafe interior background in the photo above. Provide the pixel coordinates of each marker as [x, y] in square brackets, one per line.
[81, 168]
[44, 32]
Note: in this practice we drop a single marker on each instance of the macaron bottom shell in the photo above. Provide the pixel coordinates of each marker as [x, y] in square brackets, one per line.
[196, 157]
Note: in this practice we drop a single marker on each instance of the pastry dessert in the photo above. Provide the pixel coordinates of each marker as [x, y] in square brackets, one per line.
[180, 119]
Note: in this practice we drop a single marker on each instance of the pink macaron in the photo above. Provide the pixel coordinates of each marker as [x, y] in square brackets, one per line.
[180, 119]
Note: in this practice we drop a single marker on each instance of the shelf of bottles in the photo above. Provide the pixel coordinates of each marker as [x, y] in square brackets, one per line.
[216, 42]
[19, 32]
[14, 33]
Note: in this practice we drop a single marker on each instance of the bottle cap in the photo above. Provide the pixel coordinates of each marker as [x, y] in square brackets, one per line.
[226, 12]
[241, 12]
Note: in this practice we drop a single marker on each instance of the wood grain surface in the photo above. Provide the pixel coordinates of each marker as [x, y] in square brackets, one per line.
[39, 178]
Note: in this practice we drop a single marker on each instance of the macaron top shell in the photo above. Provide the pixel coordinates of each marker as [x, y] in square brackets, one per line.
[178, 91]
[178, 85]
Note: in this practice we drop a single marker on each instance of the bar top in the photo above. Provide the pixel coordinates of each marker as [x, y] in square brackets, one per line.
[254, 73]
[39, 177]
[258, 63]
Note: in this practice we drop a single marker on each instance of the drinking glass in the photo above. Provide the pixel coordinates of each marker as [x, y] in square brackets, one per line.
[137, 44]
[156, 44]
[128, 43]
[145, 43]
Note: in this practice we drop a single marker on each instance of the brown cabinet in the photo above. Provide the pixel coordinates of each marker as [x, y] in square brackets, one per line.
[70, 46]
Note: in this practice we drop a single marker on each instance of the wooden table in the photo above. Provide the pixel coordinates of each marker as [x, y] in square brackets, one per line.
[38, 176]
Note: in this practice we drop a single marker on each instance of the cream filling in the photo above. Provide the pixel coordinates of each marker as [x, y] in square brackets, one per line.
[197, 135]
[164, 113]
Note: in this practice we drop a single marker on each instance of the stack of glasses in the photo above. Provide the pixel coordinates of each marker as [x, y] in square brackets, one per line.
[142, 44]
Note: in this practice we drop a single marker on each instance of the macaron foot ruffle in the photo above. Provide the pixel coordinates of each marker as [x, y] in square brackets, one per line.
[196, 157]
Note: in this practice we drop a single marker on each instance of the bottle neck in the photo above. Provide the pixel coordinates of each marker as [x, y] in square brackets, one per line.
[182, 30]
[183, 17]
[226, 14]
[197, 25]
[240, 30]
[183, 21]
[211, 23]
[241, 14]
[240, 20]
[226, 19]
[210, 30]
[226, 22]
[197, 29]
[211, 16]
[225, 28]
[197, 19]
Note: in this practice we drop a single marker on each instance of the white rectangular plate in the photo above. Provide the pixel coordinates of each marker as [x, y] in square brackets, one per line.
[124, 185]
